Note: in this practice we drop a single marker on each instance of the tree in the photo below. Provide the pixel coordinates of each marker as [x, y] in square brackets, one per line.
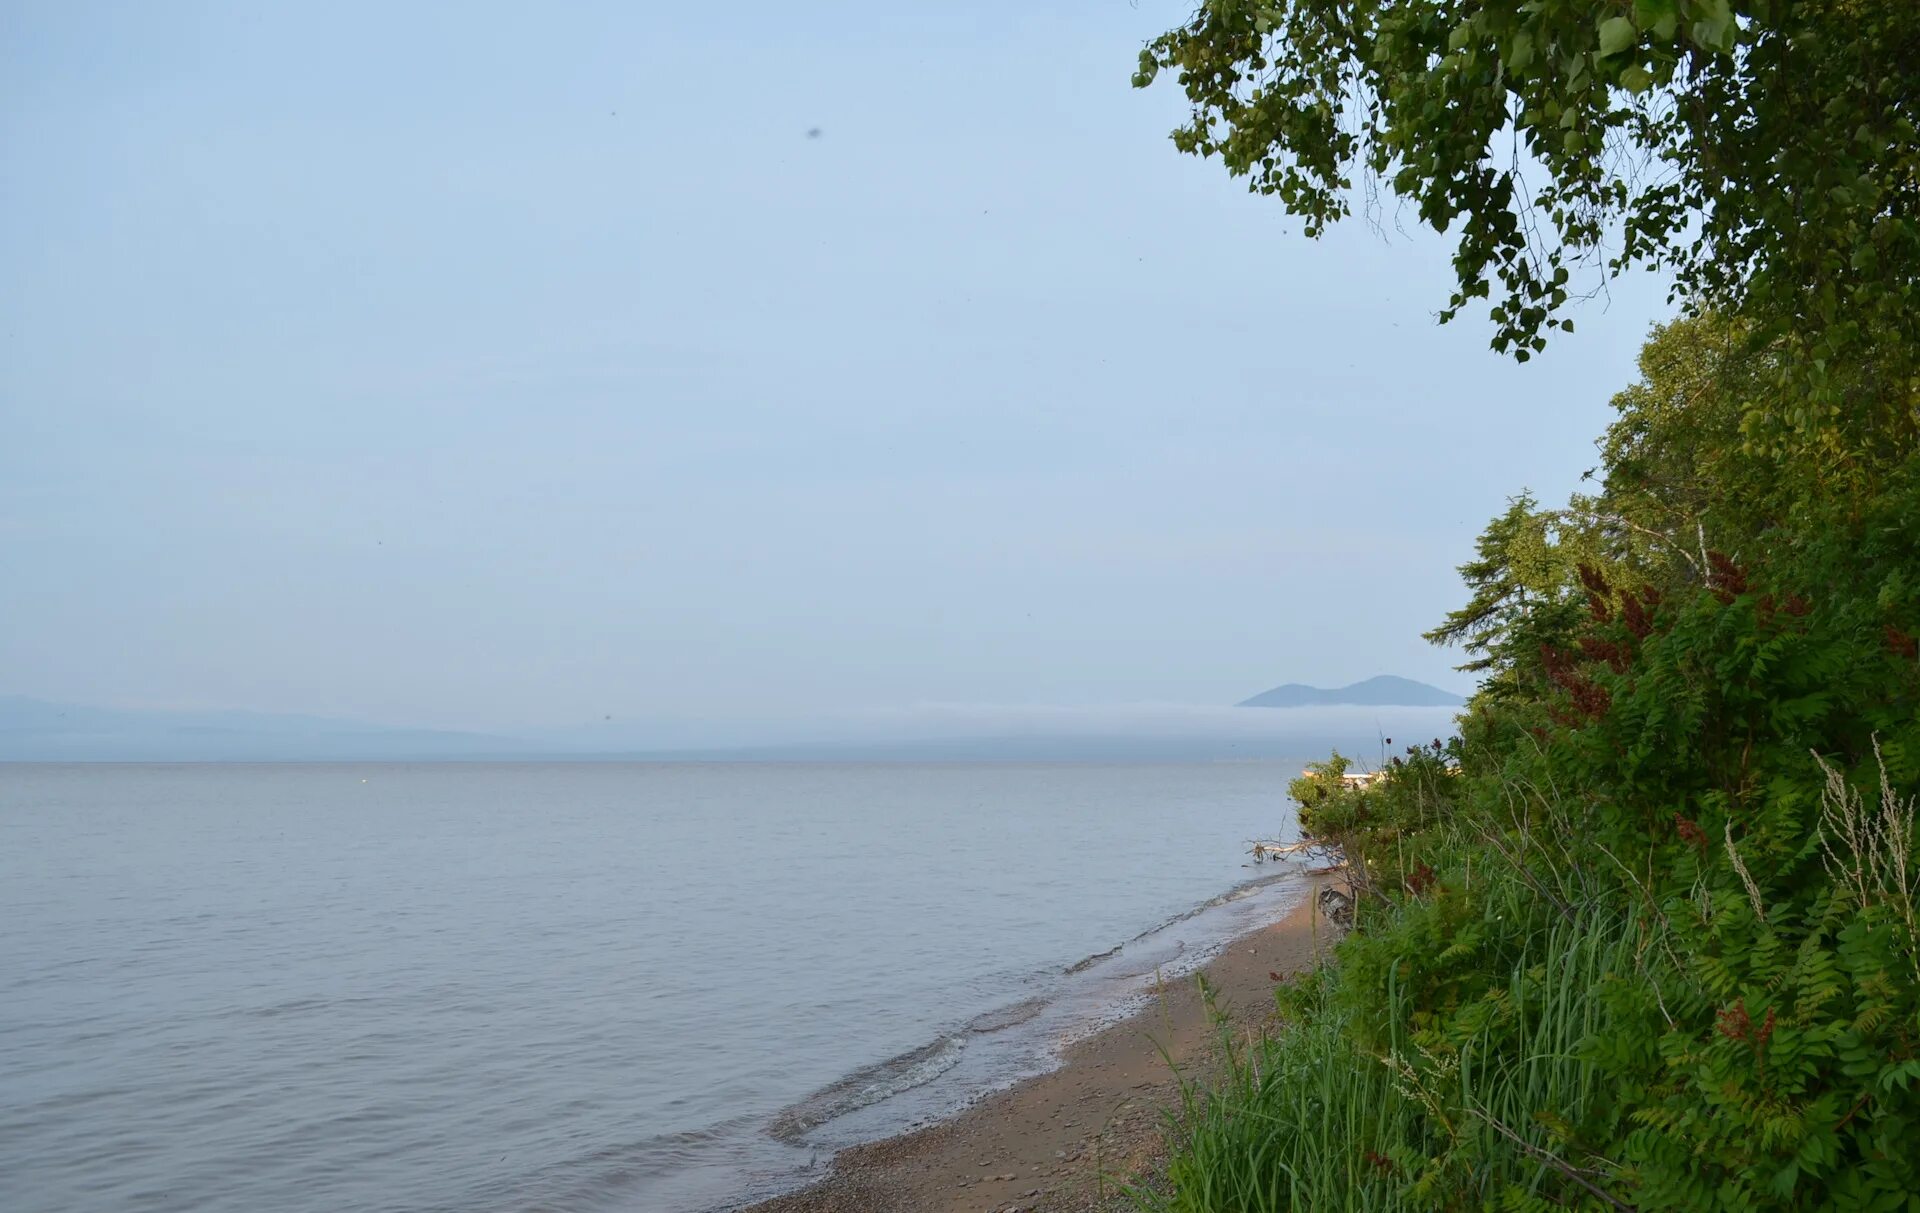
[1762, 151]
[1520, 582]
[1681, 495]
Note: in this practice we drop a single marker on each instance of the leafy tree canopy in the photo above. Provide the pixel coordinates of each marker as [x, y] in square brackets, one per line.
[1679, 492]
[1762, 151]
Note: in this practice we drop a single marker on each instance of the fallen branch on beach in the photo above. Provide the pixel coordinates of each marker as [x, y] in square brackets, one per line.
[1262, 851]
[1336, 904]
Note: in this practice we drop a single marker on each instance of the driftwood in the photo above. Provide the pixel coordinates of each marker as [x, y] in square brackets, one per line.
[1262, 851]
[1337, 906]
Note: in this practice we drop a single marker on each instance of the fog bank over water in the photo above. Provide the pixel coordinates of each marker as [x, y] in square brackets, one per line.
[959, 730]
[39, 731]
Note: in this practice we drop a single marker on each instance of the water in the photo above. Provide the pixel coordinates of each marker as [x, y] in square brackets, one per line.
[577, 987]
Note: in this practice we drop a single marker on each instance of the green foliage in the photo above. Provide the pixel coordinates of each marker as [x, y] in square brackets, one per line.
[1645, 935]
[1328, 804]
[1766, 152]
[1523, 587]
[1303, 1122]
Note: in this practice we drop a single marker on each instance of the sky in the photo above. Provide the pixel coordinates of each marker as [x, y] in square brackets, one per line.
[518, 366]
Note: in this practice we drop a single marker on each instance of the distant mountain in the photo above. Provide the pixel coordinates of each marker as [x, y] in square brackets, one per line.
[33, 730]
[1383, 691]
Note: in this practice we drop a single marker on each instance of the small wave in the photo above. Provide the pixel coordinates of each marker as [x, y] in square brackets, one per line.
[290, 1007]
[1245, 888]
[1153, 961]
[1081, 966]
[868, 1086]
[1008, 1017]
[1114, 988]
[610, 1174]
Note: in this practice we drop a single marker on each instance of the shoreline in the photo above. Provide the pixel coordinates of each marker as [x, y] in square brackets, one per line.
[1058, 1142]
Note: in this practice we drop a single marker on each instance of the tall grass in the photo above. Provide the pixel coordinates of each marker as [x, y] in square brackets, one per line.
[1290, 1124]
[1311, 1118]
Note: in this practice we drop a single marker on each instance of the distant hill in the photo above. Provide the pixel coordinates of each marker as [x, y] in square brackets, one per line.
[1383, 691]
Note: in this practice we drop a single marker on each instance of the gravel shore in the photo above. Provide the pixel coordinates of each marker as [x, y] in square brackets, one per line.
[1061, 1142]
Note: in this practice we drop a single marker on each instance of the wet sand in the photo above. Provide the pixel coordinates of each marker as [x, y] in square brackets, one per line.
[1060, 1142]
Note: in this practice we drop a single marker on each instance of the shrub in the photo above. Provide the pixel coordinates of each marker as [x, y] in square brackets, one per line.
[1645, 934]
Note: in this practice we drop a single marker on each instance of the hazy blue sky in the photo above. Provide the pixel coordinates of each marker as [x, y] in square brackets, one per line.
[522, 364]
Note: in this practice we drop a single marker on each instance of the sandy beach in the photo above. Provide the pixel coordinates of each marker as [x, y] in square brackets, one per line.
[1059, 1142]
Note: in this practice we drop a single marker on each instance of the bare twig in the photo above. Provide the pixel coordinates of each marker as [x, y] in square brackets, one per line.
[1746, 878]
[1521, 870]
[1868, 847]
[1555, 1161]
